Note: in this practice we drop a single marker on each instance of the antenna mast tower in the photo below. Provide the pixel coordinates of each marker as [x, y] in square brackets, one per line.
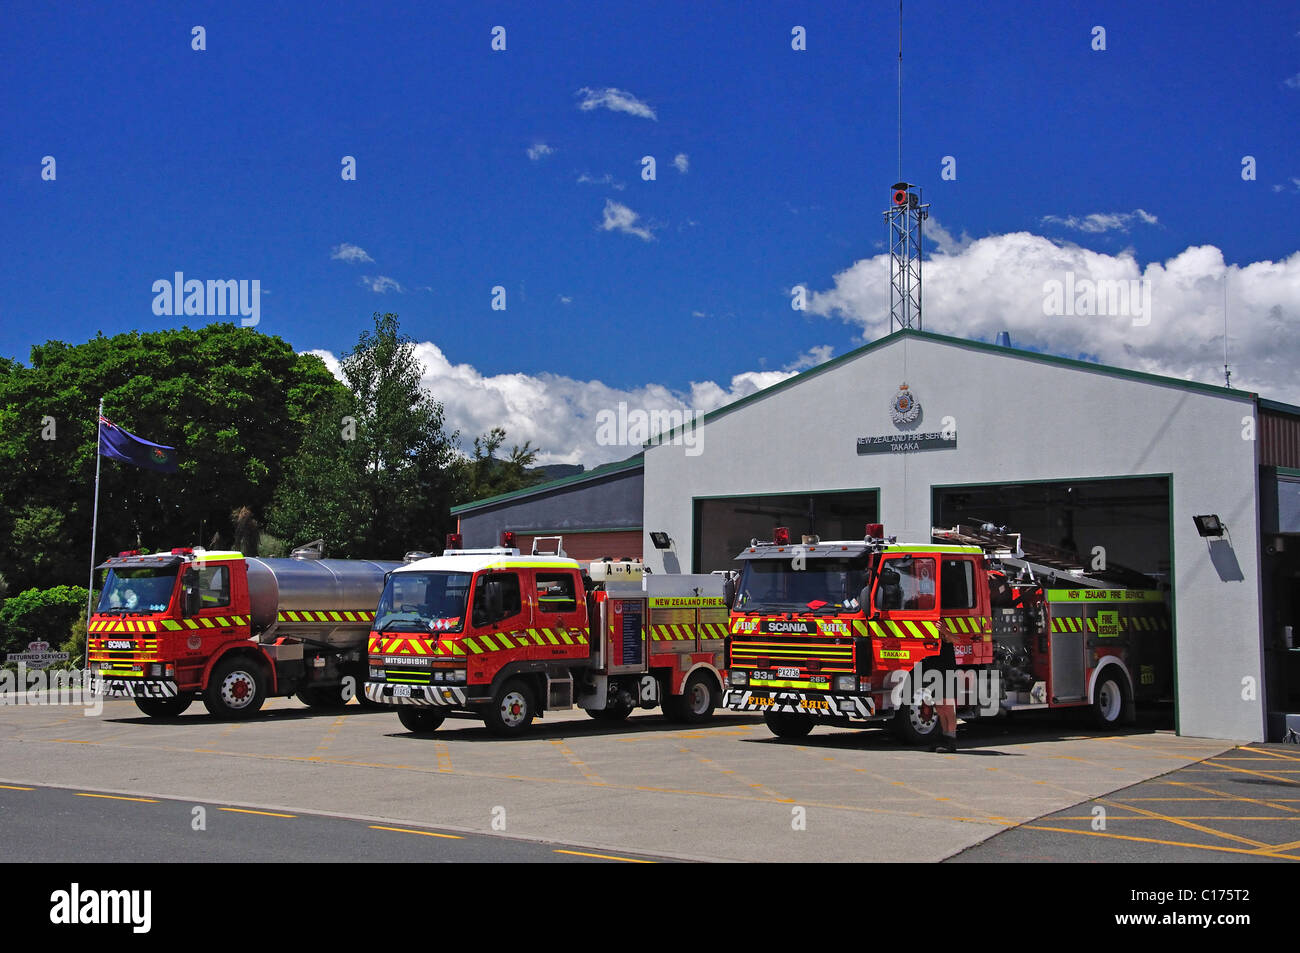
[904, 218]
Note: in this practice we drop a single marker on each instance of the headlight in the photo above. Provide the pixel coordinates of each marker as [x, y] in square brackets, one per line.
[737, 677]
[459, 674]
[376, 672]
[846, 683]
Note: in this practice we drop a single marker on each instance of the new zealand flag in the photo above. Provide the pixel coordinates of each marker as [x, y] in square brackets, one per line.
[116, 444]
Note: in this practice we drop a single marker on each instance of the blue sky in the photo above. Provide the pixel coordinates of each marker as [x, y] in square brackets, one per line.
[225, 163]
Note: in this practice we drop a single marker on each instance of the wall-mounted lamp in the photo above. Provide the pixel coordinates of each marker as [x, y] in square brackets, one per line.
[1209, 526]
[661, 540]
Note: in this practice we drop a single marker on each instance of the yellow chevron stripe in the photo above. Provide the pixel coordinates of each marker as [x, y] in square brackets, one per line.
[565, 635]
[582, 640]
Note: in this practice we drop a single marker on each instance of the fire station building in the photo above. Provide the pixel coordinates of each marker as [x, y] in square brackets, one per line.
[1192, 485]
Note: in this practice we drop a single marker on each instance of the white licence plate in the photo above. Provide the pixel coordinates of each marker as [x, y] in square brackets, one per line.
[401, 691]
[787, 673]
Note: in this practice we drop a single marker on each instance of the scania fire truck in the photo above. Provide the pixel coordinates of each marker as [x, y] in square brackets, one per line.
[838, 632]
[192, 623]
[508, 636]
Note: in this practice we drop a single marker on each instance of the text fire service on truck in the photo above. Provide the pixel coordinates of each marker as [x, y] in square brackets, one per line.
[509, 636]
[232, 630]
[834, 633]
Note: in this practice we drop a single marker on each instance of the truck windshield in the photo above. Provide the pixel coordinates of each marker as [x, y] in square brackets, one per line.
[137, 590]
[432, 601]
[775, 585]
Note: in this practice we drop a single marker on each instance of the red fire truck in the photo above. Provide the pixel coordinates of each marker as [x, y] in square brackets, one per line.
[232, 630]
[836, 633]
[509, 636]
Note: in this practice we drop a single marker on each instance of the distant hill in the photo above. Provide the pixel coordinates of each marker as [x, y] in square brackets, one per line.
[556, 471]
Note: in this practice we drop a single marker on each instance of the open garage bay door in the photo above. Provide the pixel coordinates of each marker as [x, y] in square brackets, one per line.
[724, 526]
[1110, 525]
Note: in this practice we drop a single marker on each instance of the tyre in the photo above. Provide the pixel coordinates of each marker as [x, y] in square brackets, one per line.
[697, 701]
[236, 688]
[323, 697]
[785, 724]
[1110, 701]
[164, 707]
[511, 711]
[916, 724]
[420, 719]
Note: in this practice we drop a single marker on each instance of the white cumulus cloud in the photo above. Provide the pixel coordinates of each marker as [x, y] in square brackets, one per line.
[381, 284]
[554, 412]
[1002, 282]
[349, 253]
[615, 100]
[683, 162]
[619, 218]
[539, 150]
[1099, 222]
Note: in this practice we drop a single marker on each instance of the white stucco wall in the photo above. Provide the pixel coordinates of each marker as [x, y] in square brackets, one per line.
[1017, 419]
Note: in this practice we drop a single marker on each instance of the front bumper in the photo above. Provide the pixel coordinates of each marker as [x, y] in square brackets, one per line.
[443, 696]
[817, 704]
[133, 687]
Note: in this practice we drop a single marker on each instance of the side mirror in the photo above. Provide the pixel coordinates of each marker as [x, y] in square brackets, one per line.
[191, 600]
[495, 601]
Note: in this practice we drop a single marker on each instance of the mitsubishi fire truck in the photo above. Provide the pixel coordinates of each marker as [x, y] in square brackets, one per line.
[232, 630]
[508, 637]
[838, 633]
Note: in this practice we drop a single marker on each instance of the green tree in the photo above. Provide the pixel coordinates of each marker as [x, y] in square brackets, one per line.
[44, 615]
[234, 402]
[484, 475]
[375, 475]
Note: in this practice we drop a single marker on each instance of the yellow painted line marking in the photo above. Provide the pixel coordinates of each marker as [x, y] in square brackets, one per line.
[1289, 846]
[14, 787]
[1271, 754]
[1185, 823]
[444, 756]
[118, 797]
[629, 860]
[1168, 843]
[1261, 774]
[243, 810]
[405, 830]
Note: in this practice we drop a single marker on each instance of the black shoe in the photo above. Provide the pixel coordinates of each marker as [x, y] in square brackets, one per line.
[948, 745]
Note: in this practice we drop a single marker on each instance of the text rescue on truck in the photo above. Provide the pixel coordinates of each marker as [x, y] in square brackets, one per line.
[232, 630]
[508, 636]
[834, 633]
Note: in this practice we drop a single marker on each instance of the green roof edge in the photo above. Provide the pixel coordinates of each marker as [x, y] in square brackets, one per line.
[605, 469]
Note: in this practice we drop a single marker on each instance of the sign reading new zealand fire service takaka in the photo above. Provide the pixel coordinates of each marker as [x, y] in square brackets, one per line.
[905, 412]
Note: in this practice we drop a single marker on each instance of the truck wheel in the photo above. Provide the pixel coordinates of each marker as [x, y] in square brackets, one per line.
[323, 697]
[511, 711]
[787, 724]
[420, 719]
[697, 701]
[916, 724]
[164, 707]
[1109, 703]
[236, 689]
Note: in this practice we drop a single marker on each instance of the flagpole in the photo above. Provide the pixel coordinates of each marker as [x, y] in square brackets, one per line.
[94, 526]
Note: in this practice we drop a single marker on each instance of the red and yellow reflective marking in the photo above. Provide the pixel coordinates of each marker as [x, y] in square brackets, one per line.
[325, 615]
[451, 646]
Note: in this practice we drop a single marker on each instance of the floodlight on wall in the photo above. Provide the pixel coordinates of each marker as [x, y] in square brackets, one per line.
[1209, 526]
[661, 540]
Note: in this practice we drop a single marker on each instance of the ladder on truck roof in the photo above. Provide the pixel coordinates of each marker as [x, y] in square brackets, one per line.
[1046, 564]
